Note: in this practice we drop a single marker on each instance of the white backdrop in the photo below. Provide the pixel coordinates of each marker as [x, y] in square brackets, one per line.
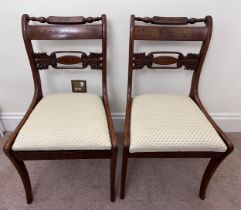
[220, 84]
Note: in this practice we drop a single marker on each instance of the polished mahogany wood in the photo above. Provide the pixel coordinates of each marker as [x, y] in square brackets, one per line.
[69, 60]
[164, 60]
[59, 155]
[66, 32]
[64, 28]
[176, 154]
[157, 33]
[192, 61]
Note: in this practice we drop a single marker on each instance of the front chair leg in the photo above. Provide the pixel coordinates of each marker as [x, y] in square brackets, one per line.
[21, 168]
[112, 176]
[211, 168]
[123, 174]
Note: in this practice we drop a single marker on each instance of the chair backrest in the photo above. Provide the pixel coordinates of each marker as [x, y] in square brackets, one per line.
[64, 28]
[169, 29]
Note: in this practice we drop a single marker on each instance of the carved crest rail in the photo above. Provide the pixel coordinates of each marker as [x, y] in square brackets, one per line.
[170, 20]
[65, 20]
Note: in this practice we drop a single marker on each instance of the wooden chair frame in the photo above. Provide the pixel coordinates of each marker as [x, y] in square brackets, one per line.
[63, 28]
[191, 61]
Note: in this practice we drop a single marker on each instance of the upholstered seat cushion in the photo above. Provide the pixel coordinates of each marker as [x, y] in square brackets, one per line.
[171, 123]
[72, 121]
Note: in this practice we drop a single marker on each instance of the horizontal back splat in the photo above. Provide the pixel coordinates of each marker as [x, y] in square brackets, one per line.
[43, 60]
[141, 60]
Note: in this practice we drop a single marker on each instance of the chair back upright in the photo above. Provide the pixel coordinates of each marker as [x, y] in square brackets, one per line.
[64, 28]
[169, 29]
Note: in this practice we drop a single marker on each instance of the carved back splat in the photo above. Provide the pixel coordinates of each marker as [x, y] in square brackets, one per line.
[64, 28]
[140, 60]
[43, 61]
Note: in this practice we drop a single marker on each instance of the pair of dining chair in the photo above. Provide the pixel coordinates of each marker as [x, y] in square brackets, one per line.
[79, 125]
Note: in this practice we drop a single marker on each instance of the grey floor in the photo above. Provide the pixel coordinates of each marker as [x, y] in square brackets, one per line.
[151, 184]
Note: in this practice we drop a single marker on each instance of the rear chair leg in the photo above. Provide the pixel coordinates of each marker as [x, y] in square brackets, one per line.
[112, 176]
[123, 174]
[22, 171]
[211, 168]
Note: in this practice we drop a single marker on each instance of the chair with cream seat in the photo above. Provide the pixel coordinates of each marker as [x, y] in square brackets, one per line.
[64, 125]
[171, 125]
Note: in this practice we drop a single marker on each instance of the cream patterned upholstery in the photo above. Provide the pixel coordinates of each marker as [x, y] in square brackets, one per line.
[72, 121]
[171, 123]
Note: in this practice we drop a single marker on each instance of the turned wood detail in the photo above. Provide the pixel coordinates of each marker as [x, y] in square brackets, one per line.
[43, 60]
[170, 20]
[140, 60]
[65, 20]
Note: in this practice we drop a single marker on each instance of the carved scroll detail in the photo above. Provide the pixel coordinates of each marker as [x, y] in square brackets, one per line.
[140, 60]
[65, 20]
[189, 61]
[43, 60]
[93, 60]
